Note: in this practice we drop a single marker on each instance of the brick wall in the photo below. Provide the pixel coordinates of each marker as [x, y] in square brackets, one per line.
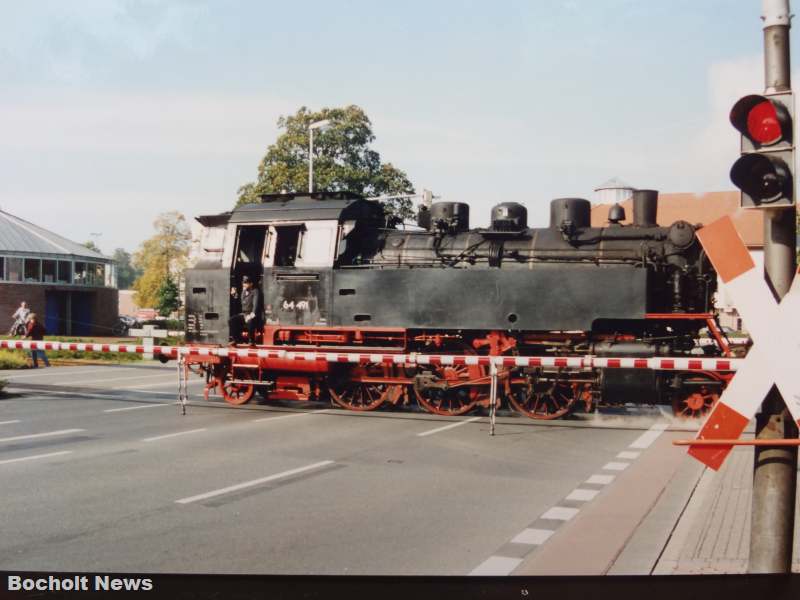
[11, 294]
[104, 304]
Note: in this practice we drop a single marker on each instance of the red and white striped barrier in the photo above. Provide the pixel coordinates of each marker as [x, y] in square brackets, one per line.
[774, 330]
[585, 362]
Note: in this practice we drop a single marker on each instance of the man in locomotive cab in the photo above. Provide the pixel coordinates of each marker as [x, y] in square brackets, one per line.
[251, 311]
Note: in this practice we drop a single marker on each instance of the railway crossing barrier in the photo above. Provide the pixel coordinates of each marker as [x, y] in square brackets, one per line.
[413, 358]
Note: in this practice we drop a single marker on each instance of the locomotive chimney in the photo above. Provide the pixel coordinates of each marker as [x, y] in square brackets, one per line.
[575, 210]
[645, 207]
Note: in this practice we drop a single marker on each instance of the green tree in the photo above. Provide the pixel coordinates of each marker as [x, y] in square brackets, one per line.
[126, 272]
[92, 246]
[167, 297]
[343, 160]
[163, 255]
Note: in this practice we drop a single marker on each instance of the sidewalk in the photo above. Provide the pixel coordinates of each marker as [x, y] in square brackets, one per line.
[713, 535]
[712, 531]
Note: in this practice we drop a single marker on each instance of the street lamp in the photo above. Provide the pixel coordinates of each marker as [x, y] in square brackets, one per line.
[316, 125]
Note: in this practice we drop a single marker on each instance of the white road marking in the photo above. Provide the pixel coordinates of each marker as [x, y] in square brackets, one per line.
[58, 371]
[9, 422]
[254, 482]
[446, 427]
[497, 565]
[111, 410]
[628, 455]
[616, 466]
[582, 495]
[600, 479]
[39, 435]
[649, 436]
[533, 537]
[149, 385]
[169, 435]
[311, 412]
[34, 457]
[560, 513]
[137, 377]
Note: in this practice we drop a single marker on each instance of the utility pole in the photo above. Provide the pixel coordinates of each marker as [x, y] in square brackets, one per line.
[775, 468]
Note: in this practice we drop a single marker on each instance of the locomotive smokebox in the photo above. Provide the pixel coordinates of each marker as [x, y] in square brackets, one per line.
[509, 216]
[453, 216]
[645, 207]
[575, 210]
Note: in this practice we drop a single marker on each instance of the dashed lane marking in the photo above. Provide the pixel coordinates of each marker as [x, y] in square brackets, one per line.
[40, 435]
[252, 483]
[600, 479]
[582, 495]
[112, 410]
[616, 466]
[538, 532]
[650, 436]
[9, 422]
[559, 513]
[45, 373]
[34, 457]
[533, 537]
[311, 412]
[446, 427]
[628, 455]
[170, 435]
[497, 565]
[129, 378]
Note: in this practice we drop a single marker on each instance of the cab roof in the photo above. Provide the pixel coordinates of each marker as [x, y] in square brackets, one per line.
[317, 206]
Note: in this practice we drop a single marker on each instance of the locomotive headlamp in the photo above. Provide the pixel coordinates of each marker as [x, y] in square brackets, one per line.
[765, 171]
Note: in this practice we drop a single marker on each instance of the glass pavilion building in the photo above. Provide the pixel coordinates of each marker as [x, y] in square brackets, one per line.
[71, 288]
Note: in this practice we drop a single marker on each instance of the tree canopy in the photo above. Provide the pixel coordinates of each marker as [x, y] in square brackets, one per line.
[167, 297]
[343, 160]
[92, 246]
[126, 272]
[161, 257]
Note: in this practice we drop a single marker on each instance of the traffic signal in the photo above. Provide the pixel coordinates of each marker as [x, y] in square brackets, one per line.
[765, 171]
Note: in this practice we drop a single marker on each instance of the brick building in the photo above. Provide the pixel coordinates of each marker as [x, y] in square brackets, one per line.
[72, 288]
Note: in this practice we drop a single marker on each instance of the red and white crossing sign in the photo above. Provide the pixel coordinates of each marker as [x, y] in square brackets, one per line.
[775, 355]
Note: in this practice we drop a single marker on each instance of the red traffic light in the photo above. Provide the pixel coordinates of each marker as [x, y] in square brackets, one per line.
[763, 121]
[764, 178]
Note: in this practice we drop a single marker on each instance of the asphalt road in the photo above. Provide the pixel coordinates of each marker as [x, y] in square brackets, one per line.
[99, 471]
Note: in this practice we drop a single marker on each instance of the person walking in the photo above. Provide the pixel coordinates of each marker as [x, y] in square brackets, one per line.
[36, 333]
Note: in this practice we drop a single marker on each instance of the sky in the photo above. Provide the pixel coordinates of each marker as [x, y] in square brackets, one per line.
[113, 111]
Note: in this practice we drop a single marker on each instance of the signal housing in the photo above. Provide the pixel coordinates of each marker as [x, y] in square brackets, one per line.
[765, 170]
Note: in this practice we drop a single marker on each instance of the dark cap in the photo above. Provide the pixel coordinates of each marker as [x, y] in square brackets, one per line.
[246, 279]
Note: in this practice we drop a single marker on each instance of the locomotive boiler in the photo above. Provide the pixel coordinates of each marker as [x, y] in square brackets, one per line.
[336, 276]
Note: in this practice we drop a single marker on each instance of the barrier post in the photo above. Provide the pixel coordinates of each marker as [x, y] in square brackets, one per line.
[492, 397]
[775, 468]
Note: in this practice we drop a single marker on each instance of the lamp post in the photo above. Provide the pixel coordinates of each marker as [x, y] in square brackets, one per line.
[316, 125]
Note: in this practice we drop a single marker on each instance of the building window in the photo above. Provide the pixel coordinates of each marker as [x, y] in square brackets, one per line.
[64, 271]
[33, 270]
[14, 269]
[99, 275]
[81, 273]
[2, 268]
[48, 271]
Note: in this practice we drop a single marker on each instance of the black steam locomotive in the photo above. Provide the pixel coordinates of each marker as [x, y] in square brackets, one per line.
[335, 276]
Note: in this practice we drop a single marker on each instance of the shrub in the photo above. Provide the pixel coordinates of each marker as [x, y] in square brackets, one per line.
[13, 359]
